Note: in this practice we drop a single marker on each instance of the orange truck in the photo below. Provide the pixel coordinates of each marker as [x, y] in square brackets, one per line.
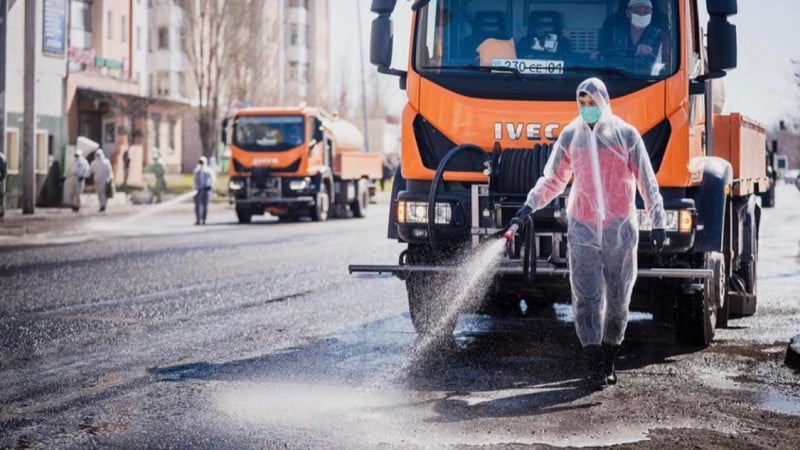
[293, 162]
[492, 83]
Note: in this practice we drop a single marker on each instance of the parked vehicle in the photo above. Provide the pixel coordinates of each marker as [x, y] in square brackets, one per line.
[477, 132]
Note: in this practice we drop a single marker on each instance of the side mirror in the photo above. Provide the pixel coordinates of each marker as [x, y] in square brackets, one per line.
[381, 41]
[722, 8]
[224, 131]
[721, 45]
[383, 6]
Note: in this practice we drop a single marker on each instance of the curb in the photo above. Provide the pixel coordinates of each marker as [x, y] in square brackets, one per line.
[793, 353]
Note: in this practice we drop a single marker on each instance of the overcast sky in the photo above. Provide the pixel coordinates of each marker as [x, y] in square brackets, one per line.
[762, 86]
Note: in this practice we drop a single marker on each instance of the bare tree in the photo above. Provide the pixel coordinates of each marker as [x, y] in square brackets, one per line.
[244, 42]
[203, 38]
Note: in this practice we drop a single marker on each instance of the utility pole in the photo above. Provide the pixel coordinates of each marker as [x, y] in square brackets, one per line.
[363, 76]
[3, 52]
[29, 117]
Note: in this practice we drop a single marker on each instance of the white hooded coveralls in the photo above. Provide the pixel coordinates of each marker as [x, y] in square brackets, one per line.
[100, 169]
[607, 163]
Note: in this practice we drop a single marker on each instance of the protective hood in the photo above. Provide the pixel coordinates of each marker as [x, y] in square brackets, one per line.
[99, 154]
[599, 93]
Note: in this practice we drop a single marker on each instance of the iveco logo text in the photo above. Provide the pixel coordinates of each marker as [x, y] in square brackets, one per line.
[533, 131]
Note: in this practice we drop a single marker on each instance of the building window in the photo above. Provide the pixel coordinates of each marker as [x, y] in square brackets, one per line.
[157, 133]
[12, 149]
[293, 70]
[138, 38]
[304, 75]
[172, 136]
[163, 38]
[162, 81]
[293, 34]
[110, 25]
[183, 89]
[123, 29]
[81, 17]
[42, 151]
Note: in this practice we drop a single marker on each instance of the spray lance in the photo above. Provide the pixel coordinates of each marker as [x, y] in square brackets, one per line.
[523, 221]
[517, 223]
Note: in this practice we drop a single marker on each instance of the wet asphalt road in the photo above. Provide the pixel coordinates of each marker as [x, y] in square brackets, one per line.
[150, 332]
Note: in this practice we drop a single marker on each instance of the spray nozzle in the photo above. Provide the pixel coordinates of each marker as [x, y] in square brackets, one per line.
[512, 231]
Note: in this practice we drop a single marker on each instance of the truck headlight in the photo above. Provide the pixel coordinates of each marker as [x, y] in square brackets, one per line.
[299, 185]
[417, 212]
[677, 220]
[235, 185]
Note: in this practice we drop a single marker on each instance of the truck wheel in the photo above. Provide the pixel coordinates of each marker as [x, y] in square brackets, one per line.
[716, 288]
[322, 204]
[426, 309]
[744, 294]
[695, 320]
[359, 205]
[244, 215]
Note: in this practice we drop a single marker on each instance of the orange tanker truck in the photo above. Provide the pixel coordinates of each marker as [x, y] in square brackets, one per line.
[490, 86]
[293, 162]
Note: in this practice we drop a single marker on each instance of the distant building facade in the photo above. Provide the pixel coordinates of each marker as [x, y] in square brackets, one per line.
[51, 71]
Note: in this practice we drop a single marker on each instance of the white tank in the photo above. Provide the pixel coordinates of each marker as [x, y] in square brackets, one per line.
[346, 136]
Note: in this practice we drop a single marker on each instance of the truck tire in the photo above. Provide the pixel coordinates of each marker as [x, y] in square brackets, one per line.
[359, 205]
[744, 295]
[322, 205]
[244, 214]
[716, 288]
[695, 321]
[426, 308]
[768, 197]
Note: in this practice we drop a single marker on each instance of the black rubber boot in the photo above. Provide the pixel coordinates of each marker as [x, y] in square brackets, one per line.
[609, 356]
[597, 377]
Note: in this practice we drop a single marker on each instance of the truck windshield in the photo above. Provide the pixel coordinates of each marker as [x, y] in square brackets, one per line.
[546, 39]
[268, 133]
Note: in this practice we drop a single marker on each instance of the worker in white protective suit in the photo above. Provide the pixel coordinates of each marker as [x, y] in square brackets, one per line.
[100, 169]
[204, 181]
[77, 172]
[606, 159]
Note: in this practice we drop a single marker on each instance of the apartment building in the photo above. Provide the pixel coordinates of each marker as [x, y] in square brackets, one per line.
[108, 90]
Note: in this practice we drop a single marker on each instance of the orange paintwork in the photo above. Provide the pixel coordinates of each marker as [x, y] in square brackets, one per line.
[310, 160]
[741, 141]
[471, 120]
[348, 144]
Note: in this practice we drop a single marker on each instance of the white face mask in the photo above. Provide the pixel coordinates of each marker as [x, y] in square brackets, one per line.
[641, 21]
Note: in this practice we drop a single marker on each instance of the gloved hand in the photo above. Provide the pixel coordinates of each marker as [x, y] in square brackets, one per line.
[657, 237]
[522, 214]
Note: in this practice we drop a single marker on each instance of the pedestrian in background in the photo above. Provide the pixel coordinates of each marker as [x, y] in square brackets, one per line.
[160, 171]
[126, 170]
[386, 175]
[203, 182]
[3, 173]
[100, 169]
[75, 180]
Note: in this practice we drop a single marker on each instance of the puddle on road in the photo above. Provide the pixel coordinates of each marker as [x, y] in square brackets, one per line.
[779, 403]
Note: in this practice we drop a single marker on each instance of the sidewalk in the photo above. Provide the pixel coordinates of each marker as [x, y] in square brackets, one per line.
[63, 219]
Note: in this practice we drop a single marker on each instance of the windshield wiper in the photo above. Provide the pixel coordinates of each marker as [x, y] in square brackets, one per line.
[604, 70]
[475, 68]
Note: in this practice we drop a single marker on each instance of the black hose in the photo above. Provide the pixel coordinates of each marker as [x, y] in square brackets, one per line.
[434, 192]
[529, 255]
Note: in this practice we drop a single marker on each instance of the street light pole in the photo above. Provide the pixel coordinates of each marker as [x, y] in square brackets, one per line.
[29, 117]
